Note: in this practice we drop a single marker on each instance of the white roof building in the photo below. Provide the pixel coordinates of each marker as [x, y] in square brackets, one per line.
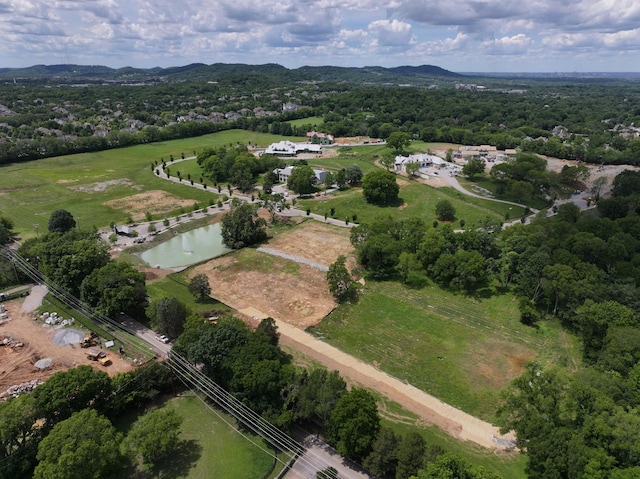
[424, 159]
[288, 148]
[285, 173]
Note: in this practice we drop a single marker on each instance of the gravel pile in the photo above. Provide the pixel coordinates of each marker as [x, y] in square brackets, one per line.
[17, 389]
[297, 259]
[43, 363]
[68, 336]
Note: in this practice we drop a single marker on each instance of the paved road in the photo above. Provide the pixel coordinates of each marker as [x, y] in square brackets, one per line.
[147, 334]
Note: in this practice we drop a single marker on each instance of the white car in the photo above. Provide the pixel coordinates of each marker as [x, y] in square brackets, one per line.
[162, 338]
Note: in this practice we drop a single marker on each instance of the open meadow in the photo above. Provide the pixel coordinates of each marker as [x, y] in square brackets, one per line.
[460, 349]
[108, 186]
[416, 200]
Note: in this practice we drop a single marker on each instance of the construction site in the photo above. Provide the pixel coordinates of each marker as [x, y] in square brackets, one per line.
[35, 345]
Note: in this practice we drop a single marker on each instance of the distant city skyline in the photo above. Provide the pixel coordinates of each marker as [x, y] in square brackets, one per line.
[461, 36]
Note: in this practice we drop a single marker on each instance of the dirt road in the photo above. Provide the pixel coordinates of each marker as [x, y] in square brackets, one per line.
[455, 422]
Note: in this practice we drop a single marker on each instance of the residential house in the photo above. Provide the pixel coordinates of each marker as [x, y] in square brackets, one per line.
[423, 159]
[285, 173]
[318, 138]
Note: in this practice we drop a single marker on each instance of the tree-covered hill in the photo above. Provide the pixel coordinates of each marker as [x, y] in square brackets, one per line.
[221, 71]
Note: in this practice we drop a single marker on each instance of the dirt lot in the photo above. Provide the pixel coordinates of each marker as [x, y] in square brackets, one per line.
[315, 241]
[17, 363]
[297, 295]
[155, 202]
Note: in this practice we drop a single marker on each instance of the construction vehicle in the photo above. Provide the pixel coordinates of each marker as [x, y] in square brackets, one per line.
[100, 356]
[89, 340]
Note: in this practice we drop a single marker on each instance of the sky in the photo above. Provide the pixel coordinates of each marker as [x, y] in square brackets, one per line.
[458, 35]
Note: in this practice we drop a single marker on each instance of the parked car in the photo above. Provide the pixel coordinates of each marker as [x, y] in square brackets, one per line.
[162, 338]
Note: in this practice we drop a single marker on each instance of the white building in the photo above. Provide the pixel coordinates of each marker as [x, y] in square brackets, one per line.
[288, 148]
[285, 173]
[423, 159]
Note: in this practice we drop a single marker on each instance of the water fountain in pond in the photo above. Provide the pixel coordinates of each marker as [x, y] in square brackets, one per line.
[187, 248]
[185, 245]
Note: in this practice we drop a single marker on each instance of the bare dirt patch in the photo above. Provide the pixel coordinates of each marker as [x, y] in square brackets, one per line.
[154, 201]
[17, 363]
[102, 186]
[318, 242]
[297, 295]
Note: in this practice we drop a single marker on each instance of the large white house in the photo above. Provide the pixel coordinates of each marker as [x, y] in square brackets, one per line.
[288, 148]
[423, 159]
[285, 173]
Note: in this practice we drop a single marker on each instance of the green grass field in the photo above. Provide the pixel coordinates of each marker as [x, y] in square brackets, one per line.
[418, 200]
[224, 453]
[310, 120]
[83, 183]
[212, 447]
[462, 350]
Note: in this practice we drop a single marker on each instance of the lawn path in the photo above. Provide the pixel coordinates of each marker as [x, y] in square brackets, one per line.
[455, 422]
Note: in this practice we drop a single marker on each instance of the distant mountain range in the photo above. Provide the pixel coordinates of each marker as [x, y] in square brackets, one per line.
[226, 71]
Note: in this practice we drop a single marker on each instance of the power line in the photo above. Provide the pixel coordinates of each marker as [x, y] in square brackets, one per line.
[188, 373]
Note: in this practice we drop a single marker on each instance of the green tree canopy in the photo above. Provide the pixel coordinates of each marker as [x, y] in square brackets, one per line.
[116, 287]
[316, 396]
[69, 258]
[354, 174]
[474, 167]
[341, 285]
[168, 316]
[86, 445]
[302, 180]
[410, 454]
[380, 187]
[61, 221]
[70, 391]
[18, 437]
[445, 211]
[383, 459]
[354, 424]
[399, 140]
[154, 436]
[7, 235]
[243, 227]
[199, 287]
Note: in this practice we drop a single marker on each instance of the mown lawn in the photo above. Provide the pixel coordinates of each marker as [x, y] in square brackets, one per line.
[462, 350]
[225, 453]
[363, 156]
[177, 286]
[211, 445]
[416, 200]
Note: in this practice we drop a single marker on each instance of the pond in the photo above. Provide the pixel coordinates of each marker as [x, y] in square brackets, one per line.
[187, 248]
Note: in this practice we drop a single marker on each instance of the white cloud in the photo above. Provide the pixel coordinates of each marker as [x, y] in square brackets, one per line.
[391, 33]
[514, 45]
[349, 32]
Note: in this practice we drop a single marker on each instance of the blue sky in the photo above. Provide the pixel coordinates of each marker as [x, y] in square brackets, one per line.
[462, 35]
